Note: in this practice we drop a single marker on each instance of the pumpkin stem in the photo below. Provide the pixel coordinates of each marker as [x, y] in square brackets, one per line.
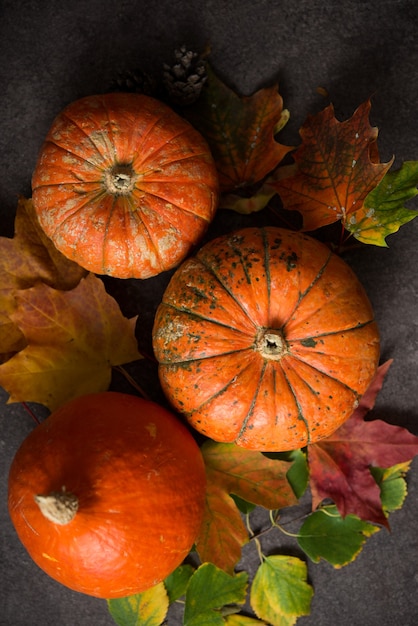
[120, 179]
[271, 344]
[59, 507]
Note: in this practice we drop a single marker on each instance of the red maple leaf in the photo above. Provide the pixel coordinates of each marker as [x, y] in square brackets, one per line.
[340, 464]
[336, 166]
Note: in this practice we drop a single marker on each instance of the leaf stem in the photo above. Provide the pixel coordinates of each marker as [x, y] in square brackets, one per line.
[31, 413]
[131, 381]
[275, 524]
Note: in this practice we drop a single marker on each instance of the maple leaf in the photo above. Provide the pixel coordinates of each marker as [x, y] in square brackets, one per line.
[336, 167]
[25, 259]
[383, 212]
[244, 473]
[240, 131]
[340, 464]
[73, 339]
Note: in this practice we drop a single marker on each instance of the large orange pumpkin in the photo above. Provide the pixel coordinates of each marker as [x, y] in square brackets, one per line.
[107, 494]
[265, 338]
[123, 185]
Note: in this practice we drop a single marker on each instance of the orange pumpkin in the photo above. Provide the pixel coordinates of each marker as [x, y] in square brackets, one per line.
[265, 338]
[107, 494]
[123, 185]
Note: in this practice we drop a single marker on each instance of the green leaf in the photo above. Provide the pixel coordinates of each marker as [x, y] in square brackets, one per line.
[142, 609]
[176, 583]
[210, 590]
[298, 473]
[327, 535]
[243, 506]
[384, 212]
[280, 593]
[393, 488]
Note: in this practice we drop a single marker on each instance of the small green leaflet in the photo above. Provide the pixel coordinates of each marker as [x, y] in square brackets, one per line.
[176, 583]
[326, 535]
[210, 593]
[393, 488]
[383, 212]
[143, 609]
[280, 593]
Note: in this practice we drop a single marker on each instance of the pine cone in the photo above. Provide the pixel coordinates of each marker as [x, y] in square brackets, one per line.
[184, 80]
[135, 81]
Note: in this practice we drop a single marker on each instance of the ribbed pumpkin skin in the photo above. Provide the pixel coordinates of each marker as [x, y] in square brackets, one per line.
[140, 480]
[123, 185]
[265, 338]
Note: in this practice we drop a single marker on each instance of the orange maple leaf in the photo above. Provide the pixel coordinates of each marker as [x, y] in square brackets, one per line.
[240, 131]
[244, 473]
[26, 259]
[73, 338]
[336, 166]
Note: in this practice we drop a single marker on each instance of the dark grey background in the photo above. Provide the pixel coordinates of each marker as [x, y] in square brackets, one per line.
[54, 52]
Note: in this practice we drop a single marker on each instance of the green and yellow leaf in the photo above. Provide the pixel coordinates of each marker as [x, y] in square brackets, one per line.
[383, 212]
[210, 594]
[280, 593]
[326, 535]
[143, 609]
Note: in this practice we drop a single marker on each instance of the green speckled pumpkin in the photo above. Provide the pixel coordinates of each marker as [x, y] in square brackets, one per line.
[265, 338]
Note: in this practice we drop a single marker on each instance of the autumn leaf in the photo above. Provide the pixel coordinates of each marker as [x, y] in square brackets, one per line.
[336, 167]
[249, 475]
[327, 535]
[280, 593]
[383, 212]
[143, 609]
[26, 259]
[240, 131]
[73, 339]
[340, 464]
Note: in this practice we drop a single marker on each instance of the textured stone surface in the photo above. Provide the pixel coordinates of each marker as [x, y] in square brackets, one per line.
[54, 52]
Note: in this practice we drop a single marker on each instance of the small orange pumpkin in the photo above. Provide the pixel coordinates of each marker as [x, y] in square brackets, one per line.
[123, 185]
[107, 494]
[265, 338]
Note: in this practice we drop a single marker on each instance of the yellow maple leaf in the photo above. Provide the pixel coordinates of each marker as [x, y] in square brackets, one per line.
[73, 339]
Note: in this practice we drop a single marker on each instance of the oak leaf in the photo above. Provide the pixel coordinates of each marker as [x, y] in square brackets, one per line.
[340, 464]
[240, 131]
[336, 167]
[26, 259]
[73, 339]
[244, 473]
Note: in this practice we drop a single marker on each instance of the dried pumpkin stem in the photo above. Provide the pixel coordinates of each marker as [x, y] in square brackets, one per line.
[120, 180]
[271, 344]
[59, 507]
